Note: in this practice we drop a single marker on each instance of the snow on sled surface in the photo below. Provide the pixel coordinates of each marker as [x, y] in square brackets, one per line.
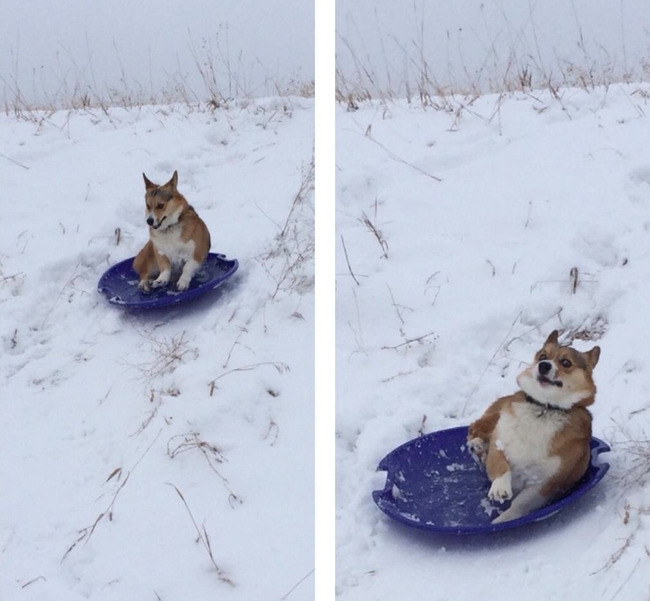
[433, 483]
[120, 284]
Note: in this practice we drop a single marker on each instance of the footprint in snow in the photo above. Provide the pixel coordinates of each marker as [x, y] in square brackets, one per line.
[641, 175]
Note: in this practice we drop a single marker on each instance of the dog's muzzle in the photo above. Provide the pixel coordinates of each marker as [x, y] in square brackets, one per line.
[545, 369]
[150, 222]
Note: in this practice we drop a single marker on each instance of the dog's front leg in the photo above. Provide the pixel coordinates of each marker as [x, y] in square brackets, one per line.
[480, 431]
[189, 269]
[165, 270]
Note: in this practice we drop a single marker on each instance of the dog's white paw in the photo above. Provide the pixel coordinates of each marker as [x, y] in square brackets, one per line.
[478, 449]
[183, 283]
[144, 285]
[161, 280]
[501, 489]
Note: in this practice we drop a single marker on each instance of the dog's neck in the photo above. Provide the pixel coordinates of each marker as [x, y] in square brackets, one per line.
[545, 406]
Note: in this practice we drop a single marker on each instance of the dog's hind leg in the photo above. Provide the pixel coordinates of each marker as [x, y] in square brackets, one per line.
[145, 265]
[498, 470]
[527, 500]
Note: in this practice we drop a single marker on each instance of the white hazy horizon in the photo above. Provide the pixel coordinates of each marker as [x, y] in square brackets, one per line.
[49, 51]
[481, 41]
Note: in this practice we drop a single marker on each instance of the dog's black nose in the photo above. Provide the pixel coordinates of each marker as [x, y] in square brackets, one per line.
[150, 221]
[544, 367]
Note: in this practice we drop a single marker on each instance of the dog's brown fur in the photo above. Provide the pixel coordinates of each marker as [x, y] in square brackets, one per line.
[176, 232]
[568, 444]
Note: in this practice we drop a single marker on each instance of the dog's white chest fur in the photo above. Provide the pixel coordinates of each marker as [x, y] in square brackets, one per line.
[169, 243]
[525, 437]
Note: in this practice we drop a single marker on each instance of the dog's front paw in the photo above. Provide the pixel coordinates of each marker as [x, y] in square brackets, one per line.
[501, 489]
[144, 285]
[161, 280]
[478, 449]
[183, 284]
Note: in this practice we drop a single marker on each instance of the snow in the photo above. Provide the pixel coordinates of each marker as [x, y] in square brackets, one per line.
[447, 290]
[116, 414]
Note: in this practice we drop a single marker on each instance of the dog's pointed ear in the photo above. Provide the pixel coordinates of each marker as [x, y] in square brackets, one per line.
[552, 337]
[592, 356]
[148, 184]
[173, 182]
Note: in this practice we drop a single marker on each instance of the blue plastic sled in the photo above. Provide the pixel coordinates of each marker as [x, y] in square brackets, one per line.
[433, 483]
[120, 284]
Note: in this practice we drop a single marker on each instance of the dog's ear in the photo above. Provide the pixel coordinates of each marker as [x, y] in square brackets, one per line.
[552, 337]
[592, 356]
[172, 183]
[148, 184]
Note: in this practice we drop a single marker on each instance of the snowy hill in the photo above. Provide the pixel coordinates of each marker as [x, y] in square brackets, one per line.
[165, 455]
[471, 231]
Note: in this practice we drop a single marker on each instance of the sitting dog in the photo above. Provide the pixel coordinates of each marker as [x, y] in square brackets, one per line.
[535, 443]
[178, 238]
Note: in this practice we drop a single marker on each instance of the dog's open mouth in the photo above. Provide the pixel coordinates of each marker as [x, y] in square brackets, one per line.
[543, 380]
[161, 222]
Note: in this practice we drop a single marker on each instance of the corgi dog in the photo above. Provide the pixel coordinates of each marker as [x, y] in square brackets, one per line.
[179, 241]
[535, 444]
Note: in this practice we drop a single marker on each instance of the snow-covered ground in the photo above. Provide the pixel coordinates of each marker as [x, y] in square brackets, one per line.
[458, 287]
[166, 455]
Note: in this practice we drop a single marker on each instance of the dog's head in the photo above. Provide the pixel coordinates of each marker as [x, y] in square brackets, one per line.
[561, 375]
[164, 204]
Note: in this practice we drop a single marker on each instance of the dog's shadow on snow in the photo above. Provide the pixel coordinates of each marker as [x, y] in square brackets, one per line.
[569, 517]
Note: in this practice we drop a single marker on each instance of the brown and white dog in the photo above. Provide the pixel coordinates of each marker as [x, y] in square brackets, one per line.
[178, 238]
[535, 443]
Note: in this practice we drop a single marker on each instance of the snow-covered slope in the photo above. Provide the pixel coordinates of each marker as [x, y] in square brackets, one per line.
[165, 455]
[456, 289]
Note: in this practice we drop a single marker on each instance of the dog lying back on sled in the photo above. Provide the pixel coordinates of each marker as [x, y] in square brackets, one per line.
[535, 443]
[179, 241]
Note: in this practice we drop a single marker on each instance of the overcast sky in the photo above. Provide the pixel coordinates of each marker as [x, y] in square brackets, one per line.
[460, 37]
[43, 43]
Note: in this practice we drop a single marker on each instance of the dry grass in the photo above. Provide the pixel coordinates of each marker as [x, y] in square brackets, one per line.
[503, 70]
[202, 534]
[290, 262]
[167, 354]
[347, 260]
[226, 80]
[85, 534]
[409, 342]
[634, 447]
[192, 441]
[372, 228]
[279, 367]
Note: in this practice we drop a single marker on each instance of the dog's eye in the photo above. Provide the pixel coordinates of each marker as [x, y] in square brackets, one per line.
[160, 205]
[543, 357]
[566, 363]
